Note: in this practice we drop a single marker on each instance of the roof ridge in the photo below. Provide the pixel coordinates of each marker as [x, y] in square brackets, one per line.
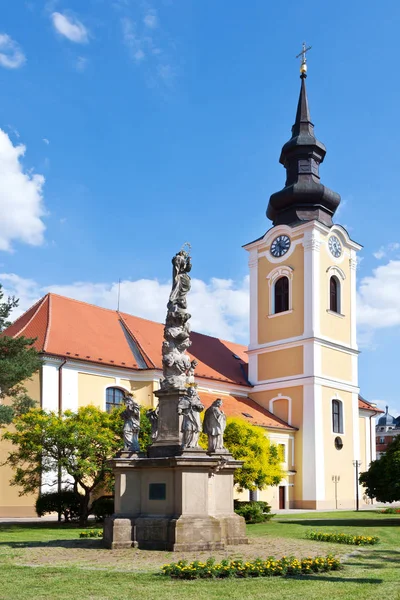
[49, 314]
[35, 309]
[144, 354]
[141, 318]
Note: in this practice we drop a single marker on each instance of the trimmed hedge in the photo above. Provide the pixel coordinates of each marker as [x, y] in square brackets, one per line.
[254, 511]
[342, 538]
[270, 567]
[102, 507]
[67, 502]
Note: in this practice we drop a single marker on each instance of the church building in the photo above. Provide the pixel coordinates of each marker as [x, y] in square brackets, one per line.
[298, 378]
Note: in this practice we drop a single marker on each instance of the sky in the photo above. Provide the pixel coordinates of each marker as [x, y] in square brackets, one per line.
[129, 127]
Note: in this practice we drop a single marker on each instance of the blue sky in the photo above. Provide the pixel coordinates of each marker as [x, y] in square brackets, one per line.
[130, 127]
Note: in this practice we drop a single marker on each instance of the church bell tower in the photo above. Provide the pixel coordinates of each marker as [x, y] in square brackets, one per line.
[303, 354]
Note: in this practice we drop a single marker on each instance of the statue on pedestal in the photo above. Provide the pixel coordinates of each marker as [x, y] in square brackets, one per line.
[190, 408]
[214, 426]
[152, 415]
[178, 369]
[131, 416]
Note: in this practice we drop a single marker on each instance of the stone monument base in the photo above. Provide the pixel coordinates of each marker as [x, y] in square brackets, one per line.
[176, 503]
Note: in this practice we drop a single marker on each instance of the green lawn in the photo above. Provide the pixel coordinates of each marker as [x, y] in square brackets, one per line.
[49, 562]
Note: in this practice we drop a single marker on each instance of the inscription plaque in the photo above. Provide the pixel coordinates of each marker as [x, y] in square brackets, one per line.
[157, 491]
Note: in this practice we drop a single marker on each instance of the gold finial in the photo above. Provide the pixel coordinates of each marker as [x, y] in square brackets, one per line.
[303, 66]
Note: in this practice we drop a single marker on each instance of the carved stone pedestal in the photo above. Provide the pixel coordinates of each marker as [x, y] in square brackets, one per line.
[181, 503]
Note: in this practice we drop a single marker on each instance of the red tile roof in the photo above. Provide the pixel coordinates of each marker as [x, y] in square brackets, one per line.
[245, 408]
[368, 406]
[77, 330]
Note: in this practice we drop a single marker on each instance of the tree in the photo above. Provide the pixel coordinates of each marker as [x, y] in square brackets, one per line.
[79, 444]
[19, 360]
[262, 459]
[382, 480]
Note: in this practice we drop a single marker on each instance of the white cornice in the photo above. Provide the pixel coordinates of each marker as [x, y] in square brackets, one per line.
[300, 341]
[299, 381]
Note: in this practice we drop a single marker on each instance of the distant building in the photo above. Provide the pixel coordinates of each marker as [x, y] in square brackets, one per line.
[386, 430]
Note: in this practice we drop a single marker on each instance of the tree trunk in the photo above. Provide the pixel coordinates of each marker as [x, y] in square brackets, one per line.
[84, 515]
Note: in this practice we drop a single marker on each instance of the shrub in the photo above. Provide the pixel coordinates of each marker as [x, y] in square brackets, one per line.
[67, 502]
[342, 538]
[253, 511]
[256, 568]
[91, 533]
[102, 507]
[390, 511]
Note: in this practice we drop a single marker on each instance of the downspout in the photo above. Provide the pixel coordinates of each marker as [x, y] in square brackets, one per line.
[59, 414]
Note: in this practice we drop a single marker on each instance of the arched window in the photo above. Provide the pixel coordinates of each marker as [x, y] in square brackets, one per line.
[337, 416]
[114, 398]
[281, 295]
[334, 294]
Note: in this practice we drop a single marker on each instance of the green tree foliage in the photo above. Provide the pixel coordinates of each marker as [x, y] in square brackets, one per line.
[382, 480]
[262, 459]
[80, 444]
[19, 360]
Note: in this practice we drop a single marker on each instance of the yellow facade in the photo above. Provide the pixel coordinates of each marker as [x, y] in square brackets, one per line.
[11, 503]
[336, 364]
[280, 363]
[285, 325]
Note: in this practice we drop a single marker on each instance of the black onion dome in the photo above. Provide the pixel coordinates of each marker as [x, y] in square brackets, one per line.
[386, 419]
[303, 198]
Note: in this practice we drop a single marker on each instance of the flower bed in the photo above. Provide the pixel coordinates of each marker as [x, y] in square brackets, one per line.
[343, 538]
[256, 568]
[91, 533]
[390, 511]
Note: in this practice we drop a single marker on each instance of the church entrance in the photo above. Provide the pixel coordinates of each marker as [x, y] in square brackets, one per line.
[282, 498]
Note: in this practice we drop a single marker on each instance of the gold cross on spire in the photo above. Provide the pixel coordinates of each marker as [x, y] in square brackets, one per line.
[303, 66]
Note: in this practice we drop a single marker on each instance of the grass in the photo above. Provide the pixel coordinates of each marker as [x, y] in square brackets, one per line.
[46, 561]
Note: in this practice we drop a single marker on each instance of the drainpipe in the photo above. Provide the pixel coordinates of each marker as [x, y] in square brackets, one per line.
[59, 414]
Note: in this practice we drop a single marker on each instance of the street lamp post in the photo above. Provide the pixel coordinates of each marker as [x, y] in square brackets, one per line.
[356, 464]
[336, 479]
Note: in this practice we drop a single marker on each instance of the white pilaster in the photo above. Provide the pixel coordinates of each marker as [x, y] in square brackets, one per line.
[353, 299]
[69, 389]
[356, 426]
[312, 282]
[313, 444]
[253, 272]
[50, 386]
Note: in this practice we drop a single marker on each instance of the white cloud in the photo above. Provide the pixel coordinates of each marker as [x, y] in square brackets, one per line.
[11, 55]
[81, 64]
[385, 250]
[21, 198]
[219, 307]
[131, 39]
[46, 141]
[150, 19]
[379, 298]
[70, 28]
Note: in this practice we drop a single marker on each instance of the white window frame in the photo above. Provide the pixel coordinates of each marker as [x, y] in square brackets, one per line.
[272, 278]
[335, 271]
[341, 405]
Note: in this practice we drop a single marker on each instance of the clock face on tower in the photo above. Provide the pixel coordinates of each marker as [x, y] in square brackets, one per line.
[280, 245]
[335, 246]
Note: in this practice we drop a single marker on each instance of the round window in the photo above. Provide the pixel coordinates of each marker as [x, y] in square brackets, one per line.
[338, 443]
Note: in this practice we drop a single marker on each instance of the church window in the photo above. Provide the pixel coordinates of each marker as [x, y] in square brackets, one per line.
[114, 398]
[337, 416]
[282, 448]
[281, 295]
[334, 295]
